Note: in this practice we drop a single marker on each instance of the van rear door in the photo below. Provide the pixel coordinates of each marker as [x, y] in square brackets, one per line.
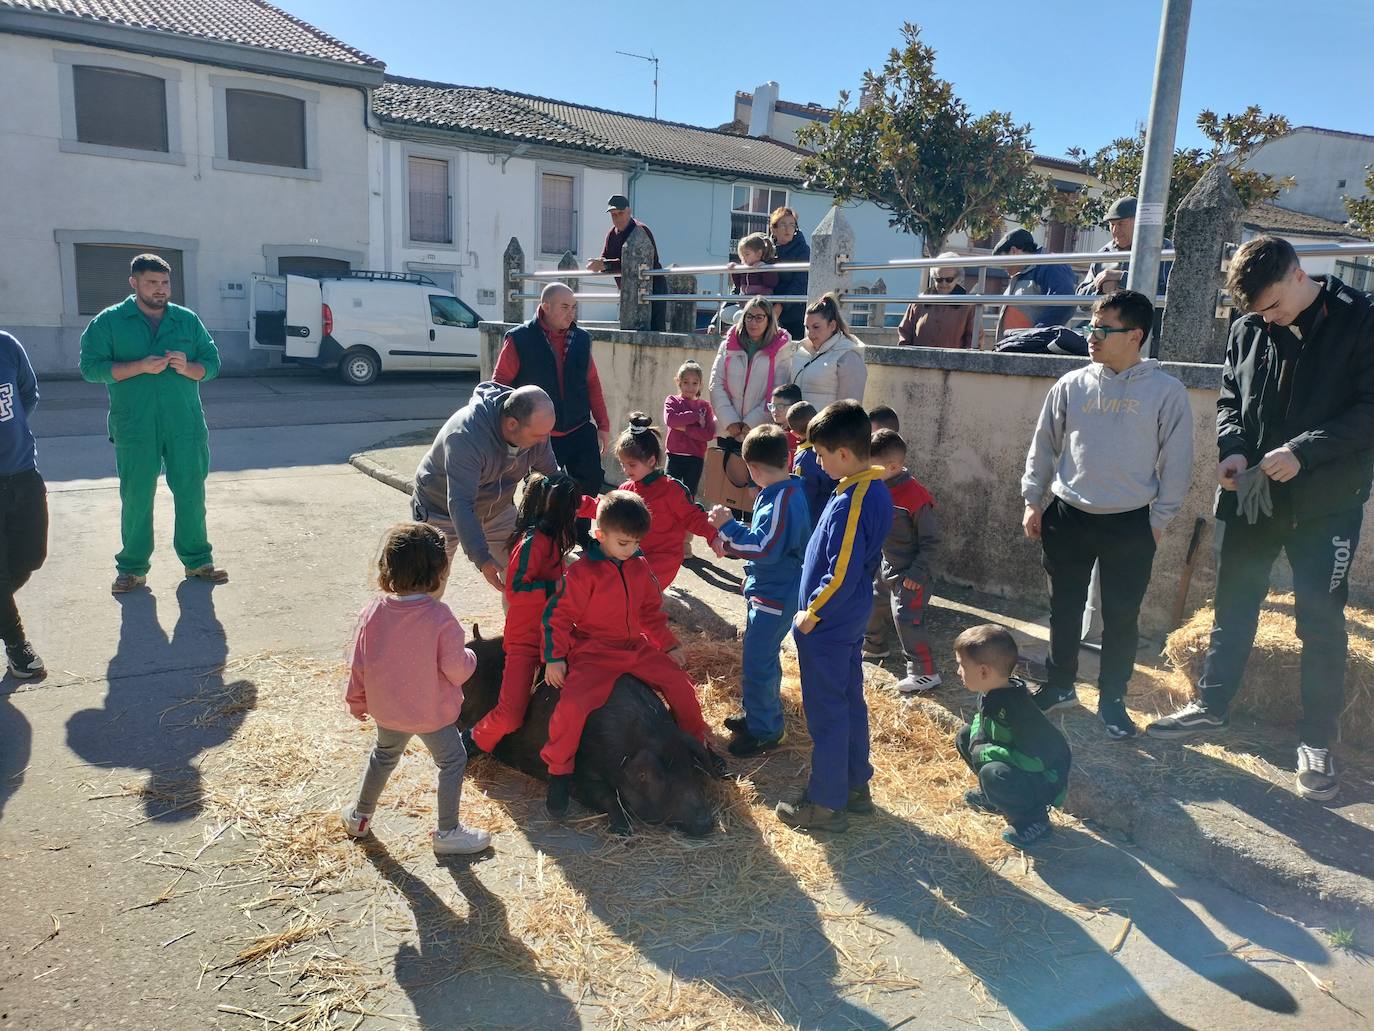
[304, 317]
[267, 313]
[454, 340]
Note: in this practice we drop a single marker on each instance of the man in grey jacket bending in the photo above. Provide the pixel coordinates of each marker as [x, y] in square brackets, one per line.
[1113, 456]
[465, 484]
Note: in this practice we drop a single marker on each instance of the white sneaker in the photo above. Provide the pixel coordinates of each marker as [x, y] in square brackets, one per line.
[915, 685]
[461, 841]
[356, 825]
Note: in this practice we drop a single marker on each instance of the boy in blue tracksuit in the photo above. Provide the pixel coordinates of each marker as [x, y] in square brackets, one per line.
[835, 600]
[772, 546]
[817, 484]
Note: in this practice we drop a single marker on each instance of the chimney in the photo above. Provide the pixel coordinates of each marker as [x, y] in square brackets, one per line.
[761, 112]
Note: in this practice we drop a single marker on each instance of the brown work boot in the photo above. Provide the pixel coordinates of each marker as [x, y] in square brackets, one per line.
[126, 582]
[208, 573]
[805, 815]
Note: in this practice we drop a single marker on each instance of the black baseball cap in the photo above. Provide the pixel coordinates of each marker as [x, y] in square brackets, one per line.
[619, 202]
[1124, 207]
[1019, 238]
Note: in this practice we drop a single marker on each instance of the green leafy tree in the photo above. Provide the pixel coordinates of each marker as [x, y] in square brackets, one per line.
[1361, 209]
[915, 150]
[1232, 139]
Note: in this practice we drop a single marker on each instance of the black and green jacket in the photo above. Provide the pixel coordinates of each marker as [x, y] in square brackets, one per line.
[1009, 727]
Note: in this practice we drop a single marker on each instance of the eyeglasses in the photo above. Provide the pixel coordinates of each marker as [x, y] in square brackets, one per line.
[1102, 332]
[756, 317]
[784, 225]
[945, 279]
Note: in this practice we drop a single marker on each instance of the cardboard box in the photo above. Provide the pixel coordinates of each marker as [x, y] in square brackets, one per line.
[725, 481]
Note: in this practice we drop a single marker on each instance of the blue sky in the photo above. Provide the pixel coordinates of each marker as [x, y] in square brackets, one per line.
[1079, 73]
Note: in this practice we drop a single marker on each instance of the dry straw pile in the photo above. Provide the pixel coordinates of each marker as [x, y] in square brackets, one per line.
[604, 923]
[1270, 690]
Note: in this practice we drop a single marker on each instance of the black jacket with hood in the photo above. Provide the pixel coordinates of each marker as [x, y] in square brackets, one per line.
[1329, 423]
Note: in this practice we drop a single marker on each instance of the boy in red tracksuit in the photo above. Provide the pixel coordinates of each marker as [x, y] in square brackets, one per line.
[607, 619]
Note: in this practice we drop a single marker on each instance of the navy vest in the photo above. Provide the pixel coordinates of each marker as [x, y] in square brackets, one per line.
[571, 399]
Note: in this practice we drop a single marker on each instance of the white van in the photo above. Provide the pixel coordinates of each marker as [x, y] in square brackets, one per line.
[363, 323]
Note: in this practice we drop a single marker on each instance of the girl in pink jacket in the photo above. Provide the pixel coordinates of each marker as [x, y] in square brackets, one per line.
[409, 664]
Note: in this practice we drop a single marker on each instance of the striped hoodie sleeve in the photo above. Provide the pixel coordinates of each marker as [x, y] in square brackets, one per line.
[565, 608]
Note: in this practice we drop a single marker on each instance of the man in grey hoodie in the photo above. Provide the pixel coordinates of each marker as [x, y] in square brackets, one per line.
[465, 484]
[1113, 456]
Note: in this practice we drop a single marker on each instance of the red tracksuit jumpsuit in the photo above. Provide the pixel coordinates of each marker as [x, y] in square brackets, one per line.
[672, 514]
[606, 619]
[533, 574]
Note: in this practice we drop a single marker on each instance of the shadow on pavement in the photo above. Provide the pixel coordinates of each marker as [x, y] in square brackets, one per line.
[166, 700]
[16, 740]
[439, 975]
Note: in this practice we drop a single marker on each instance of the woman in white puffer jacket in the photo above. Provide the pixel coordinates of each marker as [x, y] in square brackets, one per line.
[829, 364]
[755, 356]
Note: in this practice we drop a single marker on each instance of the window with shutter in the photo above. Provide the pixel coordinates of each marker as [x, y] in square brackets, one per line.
[557, 214]
[102, 274]
[116, 108]
[427, 186]
[265, 128]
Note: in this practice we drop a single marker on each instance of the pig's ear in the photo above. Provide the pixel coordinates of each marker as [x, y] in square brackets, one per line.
[699, 757]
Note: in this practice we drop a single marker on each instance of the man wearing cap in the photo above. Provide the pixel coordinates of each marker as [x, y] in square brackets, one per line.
[623, 223]
[1032, 279]
[1105, 277]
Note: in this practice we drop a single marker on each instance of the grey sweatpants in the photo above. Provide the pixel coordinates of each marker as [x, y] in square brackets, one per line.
[895, 603]
[446, 745]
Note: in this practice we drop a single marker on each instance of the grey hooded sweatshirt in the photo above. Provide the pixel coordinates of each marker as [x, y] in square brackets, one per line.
[1112, 442]
[470, 473]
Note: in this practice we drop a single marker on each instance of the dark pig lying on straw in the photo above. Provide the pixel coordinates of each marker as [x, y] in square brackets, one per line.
[633, 760]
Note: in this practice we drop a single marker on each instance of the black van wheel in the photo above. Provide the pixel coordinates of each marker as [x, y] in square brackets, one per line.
[359, 366]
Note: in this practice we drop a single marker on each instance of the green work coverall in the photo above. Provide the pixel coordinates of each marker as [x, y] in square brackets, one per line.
[155, 423]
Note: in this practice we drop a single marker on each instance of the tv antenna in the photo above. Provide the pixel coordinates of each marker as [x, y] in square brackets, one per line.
[654, 61]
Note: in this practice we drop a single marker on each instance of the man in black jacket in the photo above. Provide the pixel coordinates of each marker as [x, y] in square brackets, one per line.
[1297, 401]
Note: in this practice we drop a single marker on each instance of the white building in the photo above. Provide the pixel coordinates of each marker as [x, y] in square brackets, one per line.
[1328, 164]
[224, 135]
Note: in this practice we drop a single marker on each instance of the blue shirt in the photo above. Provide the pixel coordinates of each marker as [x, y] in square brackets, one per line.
[772, 545]
[817, 485]
[843, 554]
[18, 397]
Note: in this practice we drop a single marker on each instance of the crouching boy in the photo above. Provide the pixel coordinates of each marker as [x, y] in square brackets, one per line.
[1020, 757]
[835, 599]
[772, 546]
[607, 619]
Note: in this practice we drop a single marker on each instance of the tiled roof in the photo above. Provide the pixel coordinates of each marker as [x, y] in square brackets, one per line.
[246, 22]
[1271, 218]
[519, 116]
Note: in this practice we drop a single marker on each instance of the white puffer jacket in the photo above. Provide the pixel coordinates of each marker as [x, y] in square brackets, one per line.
[835, 372]
[741, 386]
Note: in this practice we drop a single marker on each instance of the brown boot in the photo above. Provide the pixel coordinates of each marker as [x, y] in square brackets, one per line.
[126, 582]
[209, 574]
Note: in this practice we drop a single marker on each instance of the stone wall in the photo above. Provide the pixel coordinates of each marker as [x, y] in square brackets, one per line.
[967, 417]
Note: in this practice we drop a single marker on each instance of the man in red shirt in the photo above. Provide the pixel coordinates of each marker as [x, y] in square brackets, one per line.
[553, 352]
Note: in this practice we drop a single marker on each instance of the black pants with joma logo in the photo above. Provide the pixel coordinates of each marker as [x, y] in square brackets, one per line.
[1321, 553]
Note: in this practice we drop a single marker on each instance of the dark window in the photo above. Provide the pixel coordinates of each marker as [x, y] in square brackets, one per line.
[120, 109]
[449, 311]
[265, 128]
[102, 274]
[305, 265]
[429, 200]
[557, 214]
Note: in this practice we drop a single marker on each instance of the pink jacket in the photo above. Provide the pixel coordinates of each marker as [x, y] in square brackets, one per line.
[687, 433]
[409, 664]
[742, 386]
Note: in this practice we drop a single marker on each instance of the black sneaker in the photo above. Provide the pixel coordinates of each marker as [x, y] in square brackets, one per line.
[24, 662]
[979, 802]
[1029, 835]
[860, 801]
[559, 796]
[1193, 718]
[1317, 774]
[470, 746]
[736, 724]
[1116, 719]
[744, 744]
[1051, 698]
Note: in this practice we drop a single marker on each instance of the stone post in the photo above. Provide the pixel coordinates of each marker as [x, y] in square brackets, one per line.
[832, 241]
[635, 310]
[568, 261]
[513, 262]
[682, 315]
[1207, 220]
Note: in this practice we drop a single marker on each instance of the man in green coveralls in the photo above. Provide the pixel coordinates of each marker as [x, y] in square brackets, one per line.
[152, 355]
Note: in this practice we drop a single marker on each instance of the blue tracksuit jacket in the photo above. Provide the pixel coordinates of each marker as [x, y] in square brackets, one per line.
[843, 555]
[772, 545]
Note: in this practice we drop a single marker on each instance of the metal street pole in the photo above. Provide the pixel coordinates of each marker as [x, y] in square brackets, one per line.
[1158, 166]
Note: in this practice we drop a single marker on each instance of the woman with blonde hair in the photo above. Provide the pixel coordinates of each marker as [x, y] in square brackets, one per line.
[829, 363]
[755, 356]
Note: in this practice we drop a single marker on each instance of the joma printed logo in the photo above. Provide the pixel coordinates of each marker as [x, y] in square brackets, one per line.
[1341, 564]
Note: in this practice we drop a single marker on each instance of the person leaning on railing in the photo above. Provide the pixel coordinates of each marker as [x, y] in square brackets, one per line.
[791, 246]
[1033, 279]
[939, 325]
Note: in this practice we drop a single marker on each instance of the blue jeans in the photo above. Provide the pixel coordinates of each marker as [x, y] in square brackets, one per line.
[762, 687]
